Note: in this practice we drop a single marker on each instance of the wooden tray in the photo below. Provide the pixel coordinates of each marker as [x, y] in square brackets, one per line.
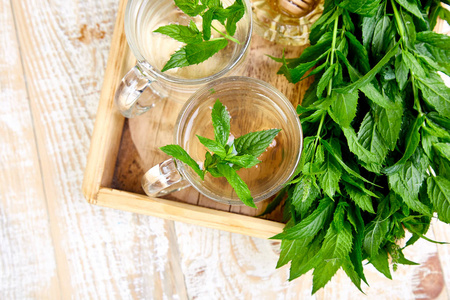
[122, 150]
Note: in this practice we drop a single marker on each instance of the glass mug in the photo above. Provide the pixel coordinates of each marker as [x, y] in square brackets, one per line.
[254, 106]
[144, 85]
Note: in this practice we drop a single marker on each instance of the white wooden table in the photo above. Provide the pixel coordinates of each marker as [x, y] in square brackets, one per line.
[54, 245]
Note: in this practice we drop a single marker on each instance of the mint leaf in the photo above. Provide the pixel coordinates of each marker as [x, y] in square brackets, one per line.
[368, 27]
[197, 53]
[364, 8]
[435, 92]
[329, 179]
[361, 57]
[356, 253]
[304, 194]
[211, 3]
[185, 34]
[379, 34]
[208, 160]
[338, 157]
[221, 122]
[413, 64]
[369, 146]
[307, 257]
[443, 149]
[177, 60]
[206, 23]
[412, 7]
[237, 184]
[311, 225]
[354, 276]
[335, 249]
[179, 153]
[407, 183]
[361, 199]
[235, 12]
[289, 248]
[357, 148]
[343, 108]
[356, 182]
[244, 161]
[374, 235]
[213, 146]
[439, 192]
[401, 72]
[324, 80]
[412, 141]
[435, 39]
[389, 122]
[215, 172]
[190, 7]
[410, 28]
[381, 263]
[323, 273]
[255, 143]
[294, 74]
[369, 76]
[193, 54]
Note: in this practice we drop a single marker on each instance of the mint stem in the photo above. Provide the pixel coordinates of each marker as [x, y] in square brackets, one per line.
[401, 28]
[333, 49]
[228, 37]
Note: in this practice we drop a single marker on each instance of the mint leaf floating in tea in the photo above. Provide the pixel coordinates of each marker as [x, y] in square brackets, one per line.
[180, 154]
[199, 45]
[185, 34]
[376, 126]
[227, 157]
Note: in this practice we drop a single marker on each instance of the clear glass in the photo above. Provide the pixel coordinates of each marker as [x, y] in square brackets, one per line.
[286, 22]
[253, 105]
[163, 179]
[145, 85]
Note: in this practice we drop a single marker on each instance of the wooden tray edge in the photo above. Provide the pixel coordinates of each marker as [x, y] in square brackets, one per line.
[109, 122]
[188, 213]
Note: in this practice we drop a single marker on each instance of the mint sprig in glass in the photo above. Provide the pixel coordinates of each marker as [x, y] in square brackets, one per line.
[201, 44]
[227, 155]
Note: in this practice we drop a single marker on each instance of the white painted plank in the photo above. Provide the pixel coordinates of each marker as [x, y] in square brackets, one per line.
[100, 253]
[220, 265]
[27, 263]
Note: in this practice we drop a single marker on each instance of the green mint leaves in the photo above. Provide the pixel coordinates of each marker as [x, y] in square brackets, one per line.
[376, 125]
[199, 45]
[226, 157]
[180, 154]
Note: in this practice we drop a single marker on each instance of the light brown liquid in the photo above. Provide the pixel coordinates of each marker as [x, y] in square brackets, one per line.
[157, 48]
[249, 112]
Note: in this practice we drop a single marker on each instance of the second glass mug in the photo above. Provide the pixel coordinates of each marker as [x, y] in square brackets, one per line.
[144, 85]
[253, 105]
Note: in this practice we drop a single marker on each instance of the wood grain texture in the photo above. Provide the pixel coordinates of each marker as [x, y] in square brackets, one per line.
[99, 253]
[24, 225]
[185, 212]
[244, 268]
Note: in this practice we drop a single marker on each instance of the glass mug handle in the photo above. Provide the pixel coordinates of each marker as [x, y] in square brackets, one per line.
[137, 93]
[163, 179]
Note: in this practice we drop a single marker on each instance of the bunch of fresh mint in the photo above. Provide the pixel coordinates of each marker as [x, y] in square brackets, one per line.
[376, 124]
[227, 156]
[199, 45]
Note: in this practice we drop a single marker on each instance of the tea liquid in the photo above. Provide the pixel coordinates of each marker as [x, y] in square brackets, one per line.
[258, 113]
[157, 48]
